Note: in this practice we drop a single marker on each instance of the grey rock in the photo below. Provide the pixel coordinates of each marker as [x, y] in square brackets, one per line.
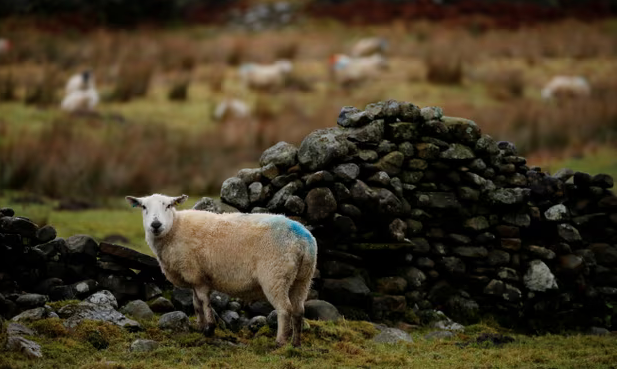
[449, 325]
[557, 213]
[249, 175]
[280, 197]
[457, 152]
[77, 313]
[564, 174]
[352, 117]
[539, 277]
[46, 233]
[18, 225]
[142, 345]
[282, 154]
[431, 112]
[20, 330]
[370, 133]
[519, 220]
[31, 301]
[176, 321]
[439, 200]
[321, 310]
[219, 301]
[207, 204]
[347, 172]
[182, 299]
[346, 291]
[320, 148]
[232, 320]
[235, 192]
[542, 252]
[260, 307]
[161, 305]
[319, 178]
[295, 204]
[34, 314]
[477, 224]
[103, 298]
[406, 148]
[82, 245]
[438, 335]
[256, 192]
[392, 336]
[414, 277]
[509, 196]
[498, 257]
[137, 309]
[257, 322]
[30, 349]
[471, 252]
[272, 319]
[568, 233]
[270, 171]
[320, 203]
[598, 331]
[380, 178]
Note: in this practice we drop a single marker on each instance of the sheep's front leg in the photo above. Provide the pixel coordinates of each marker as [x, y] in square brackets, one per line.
[201, 302]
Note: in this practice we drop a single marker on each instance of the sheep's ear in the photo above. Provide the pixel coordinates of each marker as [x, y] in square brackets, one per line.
[180, 199]
[133, 201]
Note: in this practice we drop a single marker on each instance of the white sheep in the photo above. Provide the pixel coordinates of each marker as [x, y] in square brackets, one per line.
[231, 108]
[80, 93]
[249, 256]
[348, 71]
[265, 77]
[566, 86]
[369, 46]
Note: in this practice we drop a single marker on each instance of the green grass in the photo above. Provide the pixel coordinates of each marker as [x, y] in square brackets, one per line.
[346, 344]
[602, 160]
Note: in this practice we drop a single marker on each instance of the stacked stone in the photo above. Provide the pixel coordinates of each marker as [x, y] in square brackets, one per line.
[414, 210]
[34, 260]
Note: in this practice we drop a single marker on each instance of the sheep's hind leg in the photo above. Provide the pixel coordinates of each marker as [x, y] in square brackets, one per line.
[278, 295]
[202, 294]
[297, 295]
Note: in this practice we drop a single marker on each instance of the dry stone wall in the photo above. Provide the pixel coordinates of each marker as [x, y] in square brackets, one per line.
[414, 210]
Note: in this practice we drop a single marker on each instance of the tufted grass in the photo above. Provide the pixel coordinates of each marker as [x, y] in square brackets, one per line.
[345, 344]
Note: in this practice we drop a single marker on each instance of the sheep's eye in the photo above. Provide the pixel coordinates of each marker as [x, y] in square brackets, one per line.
[169, 206]
[144, 207]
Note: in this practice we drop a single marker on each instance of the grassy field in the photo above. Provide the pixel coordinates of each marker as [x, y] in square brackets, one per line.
[495, 79]
[345, 344]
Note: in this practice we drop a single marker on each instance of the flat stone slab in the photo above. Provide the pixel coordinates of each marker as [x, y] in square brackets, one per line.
[129, 257]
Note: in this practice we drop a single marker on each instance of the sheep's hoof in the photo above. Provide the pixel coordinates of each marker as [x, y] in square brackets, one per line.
[208, 331]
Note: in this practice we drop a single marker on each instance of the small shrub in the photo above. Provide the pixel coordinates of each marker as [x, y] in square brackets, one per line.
[133, 80]
[444, 71]
[179, 90]
[51, 327]
[506, 84]
[8, 87]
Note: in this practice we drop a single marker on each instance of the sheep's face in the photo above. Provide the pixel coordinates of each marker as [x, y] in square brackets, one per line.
[158, 212]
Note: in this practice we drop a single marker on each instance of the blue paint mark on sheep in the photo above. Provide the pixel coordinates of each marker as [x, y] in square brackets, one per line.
[302, 233]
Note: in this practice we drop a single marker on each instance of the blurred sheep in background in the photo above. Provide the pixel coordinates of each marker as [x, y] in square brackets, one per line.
[80, 93]
[566, 87]
[265, 77]
[348, 72]
[369, 46]
[231, 108]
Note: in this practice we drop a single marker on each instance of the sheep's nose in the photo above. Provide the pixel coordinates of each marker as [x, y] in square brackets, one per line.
[156, 225]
